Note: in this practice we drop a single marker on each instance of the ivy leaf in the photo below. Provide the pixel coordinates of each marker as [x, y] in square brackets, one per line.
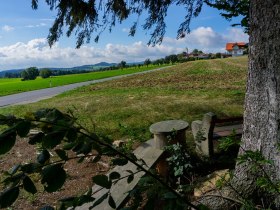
[7, 141]
[96, 158]
[54, 115]
[53, 176]
[30, 167]
[14, 180]
[102, 180]
[130, 178]
[62, 154]
[36, 138]
[114, 175]
[8, 197]
[53, 139]
[119, 161]
[71, 134]
[100, 200]
[81, 159]
[28, 185]
[84, 149]
[69, 146]
[111, 202]
[23, 128]
[43, 157]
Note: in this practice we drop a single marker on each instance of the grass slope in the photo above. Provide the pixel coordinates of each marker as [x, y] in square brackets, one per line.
[12, 86]
[185, 91]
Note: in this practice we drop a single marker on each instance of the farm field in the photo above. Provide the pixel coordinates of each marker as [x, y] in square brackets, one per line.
[125, 108]
[12, 86]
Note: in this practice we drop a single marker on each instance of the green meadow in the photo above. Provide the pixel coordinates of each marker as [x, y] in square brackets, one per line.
[12, 86]
[125, 108]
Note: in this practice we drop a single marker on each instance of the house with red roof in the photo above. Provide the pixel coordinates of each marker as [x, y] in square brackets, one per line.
[236, 48]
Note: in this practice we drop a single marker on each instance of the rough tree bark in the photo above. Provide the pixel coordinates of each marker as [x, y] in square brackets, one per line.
[262, 101]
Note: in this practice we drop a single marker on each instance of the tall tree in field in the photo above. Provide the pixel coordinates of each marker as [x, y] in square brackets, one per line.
[45, 73]
[147, 62]
[122, 64]
[30, 73]
[262, 103]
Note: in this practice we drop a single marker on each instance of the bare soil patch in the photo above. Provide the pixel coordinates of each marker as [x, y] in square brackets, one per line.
[78, 180]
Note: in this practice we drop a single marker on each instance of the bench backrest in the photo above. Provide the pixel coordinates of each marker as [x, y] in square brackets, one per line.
[203, 131]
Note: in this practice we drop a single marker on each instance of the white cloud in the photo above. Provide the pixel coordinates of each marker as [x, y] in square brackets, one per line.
[7, 28]
[236, 35]
[36, 52]
[126, 30]
[207, 40]
[36, 26]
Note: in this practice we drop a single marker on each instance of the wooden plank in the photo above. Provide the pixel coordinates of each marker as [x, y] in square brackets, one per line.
[145, 151]
[233, 119]
[227, 128]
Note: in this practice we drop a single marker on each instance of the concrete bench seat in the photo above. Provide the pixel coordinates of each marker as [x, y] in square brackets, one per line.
[151, 152]
[119, 191]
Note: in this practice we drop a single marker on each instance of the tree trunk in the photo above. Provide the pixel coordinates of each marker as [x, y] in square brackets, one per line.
[261, 130]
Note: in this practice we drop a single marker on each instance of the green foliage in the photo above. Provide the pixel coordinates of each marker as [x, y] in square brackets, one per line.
[30, 73]
[53, 177]
[87, 17]
[53, 127]
[45, 73]
[7, 141]
[147, 62]
[28, 185]
[56, 132]
[102, 180]
[171, 59]
[8, 197]
[231, 9]
[156, 196]
[179, 160]
[122, 64]
[228, 142]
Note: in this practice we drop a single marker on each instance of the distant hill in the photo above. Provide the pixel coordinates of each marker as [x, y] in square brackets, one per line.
[2, 73]
[92, 67]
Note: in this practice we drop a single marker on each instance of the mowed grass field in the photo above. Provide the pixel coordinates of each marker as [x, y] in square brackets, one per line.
[125, 108]
[12, 86]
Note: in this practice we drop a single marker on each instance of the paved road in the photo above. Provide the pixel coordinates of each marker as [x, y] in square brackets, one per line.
[37, 95]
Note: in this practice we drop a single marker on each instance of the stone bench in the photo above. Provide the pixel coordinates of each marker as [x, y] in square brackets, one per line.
[151, 152]
[210, 129]
[119, 191]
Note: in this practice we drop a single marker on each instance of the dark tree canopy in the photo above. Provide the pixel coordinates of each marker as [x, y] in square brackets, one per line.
[30, 73]
[87, 18]
[45, 73]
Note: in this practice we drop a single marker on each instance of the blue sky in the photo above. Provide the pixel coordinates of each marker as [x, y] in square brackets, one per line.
[23, 33]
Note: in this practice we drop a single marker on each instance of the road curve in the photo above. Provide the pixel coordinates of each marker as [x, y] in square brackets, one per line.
[37, 95]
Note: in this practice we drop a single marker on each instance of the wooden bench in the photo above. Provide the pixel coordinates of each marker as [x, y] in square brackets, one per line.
[210, 129]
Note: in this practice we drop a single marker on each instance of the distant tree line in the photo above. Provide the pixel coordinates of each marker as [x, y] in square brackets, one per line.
[31, 73]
